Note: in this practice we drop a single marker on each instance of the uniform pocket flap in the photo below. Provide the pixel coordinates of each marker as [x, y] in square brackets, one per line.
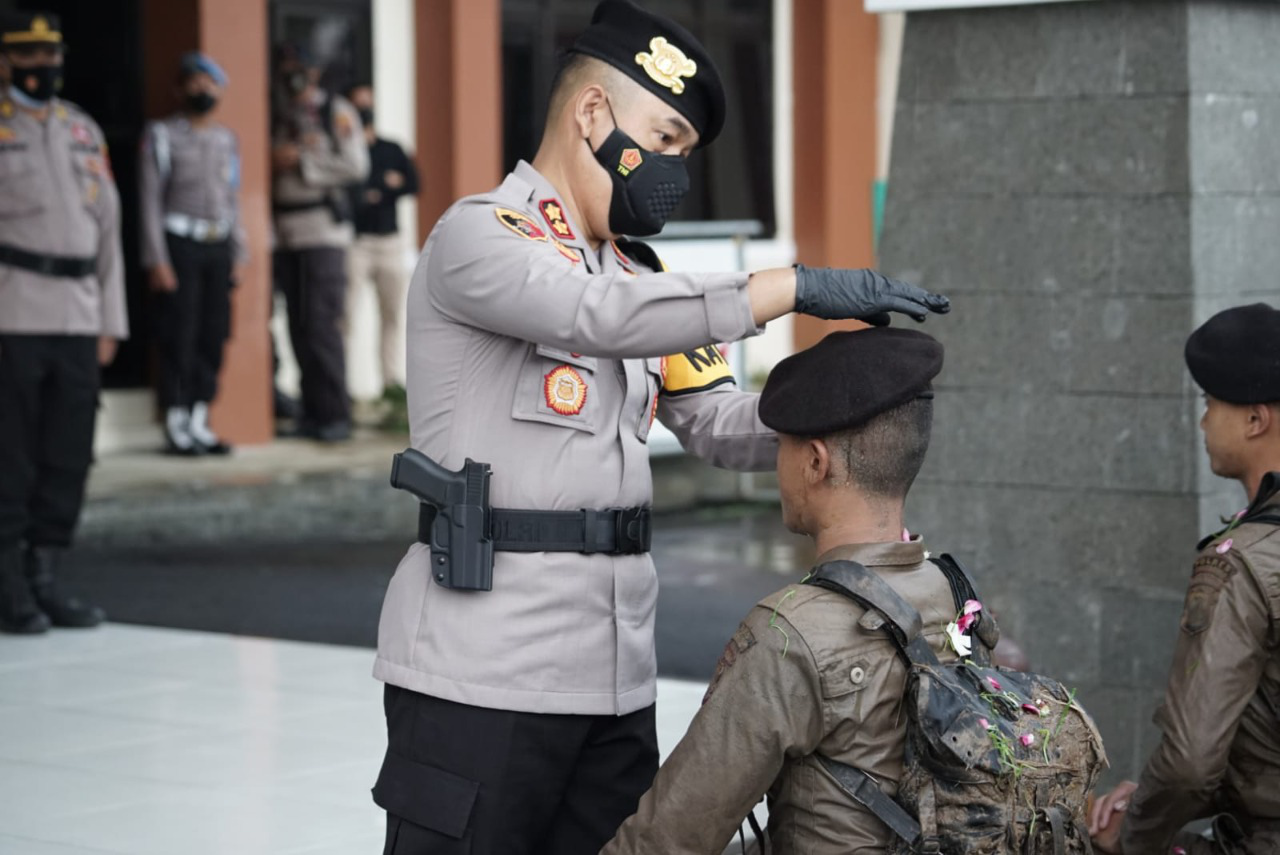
[587, 362]
[425, 795]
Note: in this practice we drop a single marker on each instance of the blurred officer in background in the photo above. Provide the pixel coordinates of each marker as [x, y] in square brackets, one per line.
[377, 256]
[193, 248]
[318, 152]
[62, 312]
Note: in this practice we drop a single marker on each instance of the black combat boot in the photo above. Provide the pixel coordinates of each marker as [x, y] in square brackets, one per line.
[63, 610]
[19, 611]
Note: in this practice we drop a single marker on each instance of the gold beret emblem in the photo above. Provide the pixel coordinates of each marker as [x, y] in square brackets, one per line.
[666, 64]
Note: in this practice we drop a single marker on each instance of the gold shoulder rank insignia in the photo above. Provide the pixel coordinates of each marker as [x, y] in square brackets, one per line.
[695, 371]
[553, 213]
[666, 64]
[520, 224]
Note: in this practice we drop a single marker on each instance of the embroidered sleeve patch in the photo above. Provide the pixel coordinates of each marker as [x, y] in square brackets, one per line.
[696, 371]
[1207, 581]
[743, 640]
[520, 224]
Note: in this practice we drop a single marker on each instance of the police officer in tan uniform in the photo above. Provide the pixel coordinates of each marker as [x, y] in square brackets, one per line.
[193, 247]
[62, 311]
[318, 152]
[1219, 755]
[808, 674]
[521, 719]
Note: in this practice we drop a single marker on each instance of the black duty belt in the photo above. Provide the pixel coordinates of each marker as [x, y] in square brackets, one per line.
[297, 207]
[48, 265]
[615, 531]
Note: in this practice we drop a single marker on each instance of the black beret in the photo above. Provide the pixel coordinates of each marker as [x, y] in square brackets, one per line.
[29, 28]
[661, 56]
[849, 378]
[1235, 355]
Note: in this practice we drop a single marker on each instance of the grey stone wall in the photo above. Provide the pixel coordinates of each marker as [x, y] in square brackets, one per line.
[1088, 182]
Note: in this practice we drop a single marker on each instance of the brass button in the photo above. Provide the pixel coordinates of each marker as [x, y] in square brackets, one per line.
[857, 675]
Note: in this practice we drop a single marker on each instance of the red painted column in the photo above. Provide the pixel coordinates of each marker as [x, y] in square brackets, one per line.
[459, 133]
[834, 66]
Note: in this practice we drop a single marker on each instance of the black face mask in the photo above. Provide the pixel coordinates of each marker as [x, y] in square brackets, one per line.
[647, 186]
[39, 83]
[366, 116]
[199, 103]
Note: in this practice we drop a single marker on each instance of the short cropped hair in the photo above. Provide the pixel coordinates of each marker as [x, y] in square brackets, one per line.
[577, 70]
[883, 457]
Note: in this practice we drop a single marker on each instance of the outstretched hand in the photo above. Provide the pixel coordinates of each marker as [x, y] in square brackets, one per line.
[837, 294]
[1106, 818]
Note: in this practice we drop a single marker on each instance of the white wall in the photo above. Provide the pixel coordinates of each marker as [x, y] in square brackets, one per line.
[396, 116]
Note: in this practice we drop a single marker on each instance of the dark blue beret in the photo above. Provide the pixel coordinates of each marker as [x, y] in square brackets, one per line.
[849, 378]
[1235, 355]
[661, 56]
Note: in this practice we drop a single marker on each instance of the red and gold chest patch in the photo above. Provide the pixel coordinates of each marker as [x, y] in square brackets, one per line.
[630, 161]
[553, 213]
[81, 134]
[520, 224]
[565, 391]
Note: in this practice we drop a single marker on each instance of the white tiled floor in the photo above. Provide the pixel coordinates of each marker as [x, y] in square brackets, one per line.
[139, 741]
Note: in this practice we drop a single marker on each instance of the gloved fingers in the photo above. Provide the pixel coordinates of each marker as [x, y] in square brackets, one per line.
[930, 301]
[908, 306]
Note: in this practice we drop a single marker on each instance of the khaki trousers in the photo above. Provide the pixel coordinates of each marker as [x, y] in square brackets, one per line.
[379, 260]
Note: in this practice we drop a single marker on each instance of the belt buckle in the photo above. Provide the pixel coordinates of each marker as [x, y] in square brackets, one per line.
[633, 530]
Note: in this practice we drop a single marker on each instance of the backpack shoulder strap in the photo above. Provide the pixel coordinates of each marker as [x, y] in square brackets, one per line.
[962, 589]
[864, 790]
[868, 590]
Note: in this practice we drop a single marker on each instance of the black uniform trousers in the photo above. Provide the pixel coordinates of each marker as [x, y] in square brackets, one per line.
[314, 284]
[463, 780]
[48, 404]
[194, 322]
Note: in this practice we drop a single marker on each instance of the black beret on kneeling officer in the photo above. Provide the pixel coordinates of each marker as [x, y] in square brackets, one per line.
[849, 378]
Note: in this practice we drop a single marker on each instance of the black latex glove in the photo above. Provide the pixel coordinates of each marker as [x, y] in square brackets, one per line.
[836, 294]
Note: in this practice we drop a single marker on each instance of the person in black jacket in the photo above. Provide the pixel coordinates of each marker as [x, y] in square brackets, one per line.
[378, 255]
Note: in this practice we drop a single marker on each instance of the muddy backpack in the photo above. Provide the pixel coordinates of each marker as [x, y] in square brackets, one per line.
[997, 761]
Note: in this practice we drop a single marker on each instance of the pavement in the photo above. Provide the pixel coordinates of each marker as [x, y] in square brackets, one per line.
[142, 741]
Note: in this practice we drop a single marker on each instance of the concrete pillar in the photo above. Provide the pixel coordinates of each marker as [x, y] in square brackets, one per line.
[459, 70]
[1088, 182]
[234, 32]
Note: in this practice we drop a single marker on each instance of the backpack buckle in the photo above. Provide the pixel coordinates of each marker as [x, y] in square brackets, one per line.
[929, 846]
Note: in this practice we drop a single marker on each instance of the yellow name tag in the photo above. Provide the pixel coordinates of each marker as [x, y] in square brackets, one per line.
[696, 371]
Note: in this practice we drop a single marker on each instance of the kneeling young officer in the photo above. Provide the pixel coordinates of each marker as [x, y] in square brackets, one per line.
[1219, 755]
[521, 719]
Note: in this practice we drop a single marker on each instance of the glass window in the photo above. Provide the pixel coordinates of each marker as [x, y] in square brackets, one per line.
[733, 178]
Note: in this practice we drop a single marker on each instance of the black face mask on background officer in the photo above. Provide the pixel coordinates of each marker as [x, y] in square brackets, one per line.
[34, 73]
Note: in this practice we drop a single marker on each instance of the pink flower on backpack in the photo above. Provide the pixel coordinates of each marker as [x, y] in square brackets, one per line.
[969, 615]
[995, 684]
[1027, 739]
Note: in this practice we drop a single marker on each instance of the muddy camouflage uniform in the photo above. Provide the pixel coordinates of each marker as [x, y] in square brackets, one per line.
[1220, 750]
